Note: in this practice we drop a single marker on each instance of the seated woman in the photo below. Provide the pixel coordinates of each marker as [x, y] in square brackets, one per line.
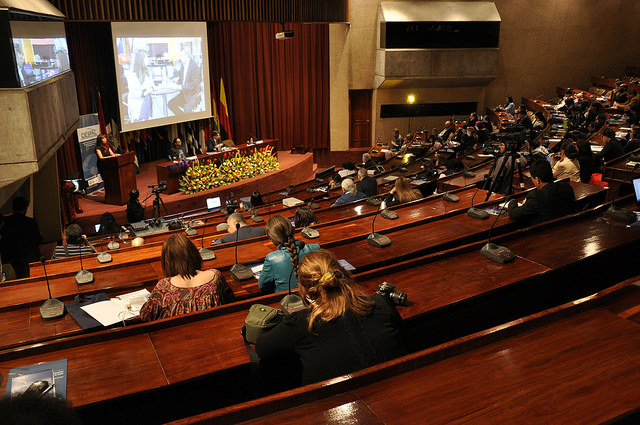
[350, 193]
[108, 224]
[566, 165]
[186, 288]
[342, 330]
[280, 267]
[401, 193]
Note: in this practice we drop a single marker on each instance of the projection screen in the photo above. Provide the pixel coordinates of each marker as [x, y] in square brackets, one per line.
[162, 73]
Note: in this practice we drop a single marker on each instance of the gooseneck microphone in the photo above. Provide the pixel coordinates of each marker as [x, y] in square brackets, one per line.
[618, 213]
[51, 308]
[497, 253]
[240, 272]
[205, 253]
[474, 212]
[103, 257]
[376, 239]
[83, 276]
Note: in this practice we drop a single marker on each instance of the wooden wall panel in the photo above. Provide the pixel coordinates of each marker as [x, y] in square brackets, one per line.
[205, 10]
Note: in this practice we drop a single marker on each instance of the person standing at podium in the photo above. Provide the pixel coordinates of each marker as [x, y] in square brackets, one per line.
[103, 150]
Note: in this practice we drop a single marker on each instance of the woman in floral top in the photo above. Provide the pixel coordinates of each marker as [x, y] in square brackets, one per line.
[187, 288]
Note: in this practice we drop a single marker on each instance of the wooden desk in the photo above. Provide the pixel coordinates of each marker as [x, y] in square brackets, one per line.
[171, 171]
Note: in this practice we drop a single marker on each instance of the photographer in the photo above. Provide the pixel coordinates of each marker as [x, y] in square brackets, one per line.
[135, 209]
[341, 331]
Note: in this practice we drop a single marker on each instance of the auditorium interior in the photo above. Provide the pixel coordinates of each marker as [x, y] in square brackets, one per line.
[506, 322]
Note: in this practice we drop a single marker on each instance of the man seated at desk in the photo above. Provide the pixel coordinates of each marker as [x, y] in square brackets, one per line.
[243, 232]
[548, 201]
[177, 150]
[215, 143]
[189, 77]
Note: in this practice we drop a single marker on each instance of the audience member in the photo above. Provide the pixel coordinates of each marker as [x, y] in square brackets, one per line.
[565, 165]
[396, 140]
[108, 224]
[585, 159]
[510, 106]
[539, 122]
[469, 139]
[402, 192]
[304, 217]
[550, 199]
[350, 194]
[449, 128]
[336, 181]
[243, 232]
[185, 288]
[341, 331]
[73, 243]
[522, 118]
[367, 162]
[611, 148]
[21, 239]
[366, 184]
[634, 140]
[473, 119]
[135, 209]
[281, 266]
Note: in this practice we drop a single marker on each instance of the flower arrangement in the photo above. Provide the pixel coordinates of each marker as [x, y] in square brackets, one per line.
[234, 167]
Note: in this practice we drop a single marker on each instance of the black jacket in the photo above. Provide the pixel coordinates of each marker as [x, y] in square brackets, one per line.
[552, 201]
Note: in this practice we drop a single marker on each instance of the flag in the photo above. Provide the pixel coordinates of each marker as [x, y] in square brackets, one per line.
[216, 117]
[103, 126]
[225, 125]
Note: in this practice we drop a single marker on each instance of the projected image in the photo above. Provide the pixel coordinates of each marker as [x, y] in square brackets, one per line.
[38, 59]
[159, 77]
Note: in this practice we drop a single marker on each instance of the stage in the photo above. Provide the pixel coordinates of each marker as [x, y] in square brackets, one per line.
[294, 169]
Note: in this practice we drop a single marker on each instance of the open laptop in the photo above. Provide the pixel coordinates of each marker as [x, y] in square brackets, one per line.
[214, 204]
[636, 188]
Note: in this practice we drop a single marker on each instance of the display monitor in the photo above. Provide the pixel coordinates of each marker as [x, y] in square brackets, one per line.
[40, 49]
[636, 188]
[213, 203]
[162, 72]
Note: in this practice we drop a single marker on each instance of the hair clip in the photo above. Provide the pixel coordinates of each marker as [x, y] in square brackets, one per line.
[327, 276]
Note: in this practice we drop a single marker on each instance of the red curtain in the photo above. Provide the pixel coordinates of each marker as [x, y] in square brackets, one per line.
[276, 89]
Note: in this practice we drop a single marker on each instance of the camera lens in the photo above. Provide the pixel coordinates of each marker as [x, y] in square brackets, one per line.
[398, 298]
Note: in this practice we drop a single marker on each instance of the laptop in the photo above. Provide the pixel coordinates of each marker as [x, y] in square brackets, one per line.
[213, 204]
[636, 188]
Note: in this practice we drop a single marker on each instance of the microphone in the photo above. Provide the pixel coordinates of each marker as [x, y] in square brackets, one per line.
[83, 276]
[376, 239]
[497, 253]
[123, 234]
[102, 257]
[618, 213]
[113, 244]
[474, 212]
[291, 303]
[190, 231]
[313, 205]
[51, 308]
[240, 272]
[255, 216]
[205, 253]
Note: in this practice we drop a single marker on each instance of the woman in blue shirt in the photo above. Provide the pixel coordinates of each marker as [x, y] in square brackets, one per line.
[281, 266]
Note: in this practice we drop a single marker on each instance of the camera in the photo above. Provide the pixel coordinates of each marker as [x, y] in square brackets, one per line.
[158, 188]
[388, 291]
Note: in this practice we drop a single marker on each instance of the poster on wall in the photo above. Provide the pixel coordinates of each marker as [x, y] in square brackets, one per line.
[88, 130]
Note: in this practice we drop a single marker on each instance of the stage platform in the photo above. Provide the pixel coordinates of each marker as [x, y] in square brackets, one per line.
[294, 169]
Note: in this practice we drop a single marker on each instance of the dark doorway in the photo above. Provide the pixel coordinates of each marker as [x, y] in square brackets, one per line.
[360, 118]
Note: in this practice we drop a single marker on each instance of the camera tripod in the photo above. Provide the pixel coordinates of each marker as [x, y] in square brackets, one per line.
[157, 202]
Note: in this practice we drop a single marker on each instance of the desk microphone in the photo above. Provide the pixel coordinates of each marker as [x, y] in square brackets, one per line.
[376, 239]
[497, 253]
[475, 212]
[205, 253]
[112, 244]
[103, 257]
[190, 231]
[291, 303]
[313, 205]
[239, 271]
[123, 233]
[83, 276]
[255, 217]
[618, 213]
[51, 308]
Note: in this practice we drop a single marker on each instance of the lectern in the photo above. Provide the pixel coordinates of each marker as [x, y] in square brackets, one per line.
[119, 176]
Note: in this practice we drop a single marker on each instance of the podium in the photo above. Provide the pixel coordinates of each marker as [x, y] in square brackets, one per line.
[119, 176]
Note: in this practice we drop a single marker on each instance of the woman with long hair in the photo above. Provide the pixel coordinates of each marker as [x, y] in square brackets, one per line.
[342, 330]
[185, 288]
[140, 88]
[402, 192]
[566, 164]
[281, 266]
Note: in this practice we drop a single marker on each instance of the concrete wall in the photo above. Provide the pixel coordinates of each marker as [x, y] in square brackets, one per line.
[543, 44]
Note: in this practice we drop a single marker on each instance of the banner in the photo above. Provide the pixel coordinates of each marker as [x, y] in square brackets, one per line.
[88, 130]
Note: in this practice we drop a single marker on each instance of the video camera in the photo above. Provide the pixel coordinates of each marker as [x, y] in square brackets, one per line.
[158, 188]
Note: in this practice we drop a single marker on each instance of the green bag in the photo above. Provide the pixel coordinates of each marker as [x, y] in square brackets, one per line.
[260, 319]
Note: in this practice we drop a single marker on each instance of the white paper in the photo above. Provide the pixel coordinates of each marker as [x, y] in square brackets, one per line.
[117, 309]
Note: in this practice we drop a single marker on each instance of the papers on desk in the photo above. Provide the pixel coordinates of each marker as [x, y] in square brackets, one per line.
[191, 158]
[485, 155]
[596, 148]
[257, 269]
[346, 265]
[291, 202]
[117, 309]
[390, 178]
[620, 134]
[499, 209]
[418, 182]
[632, 163]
